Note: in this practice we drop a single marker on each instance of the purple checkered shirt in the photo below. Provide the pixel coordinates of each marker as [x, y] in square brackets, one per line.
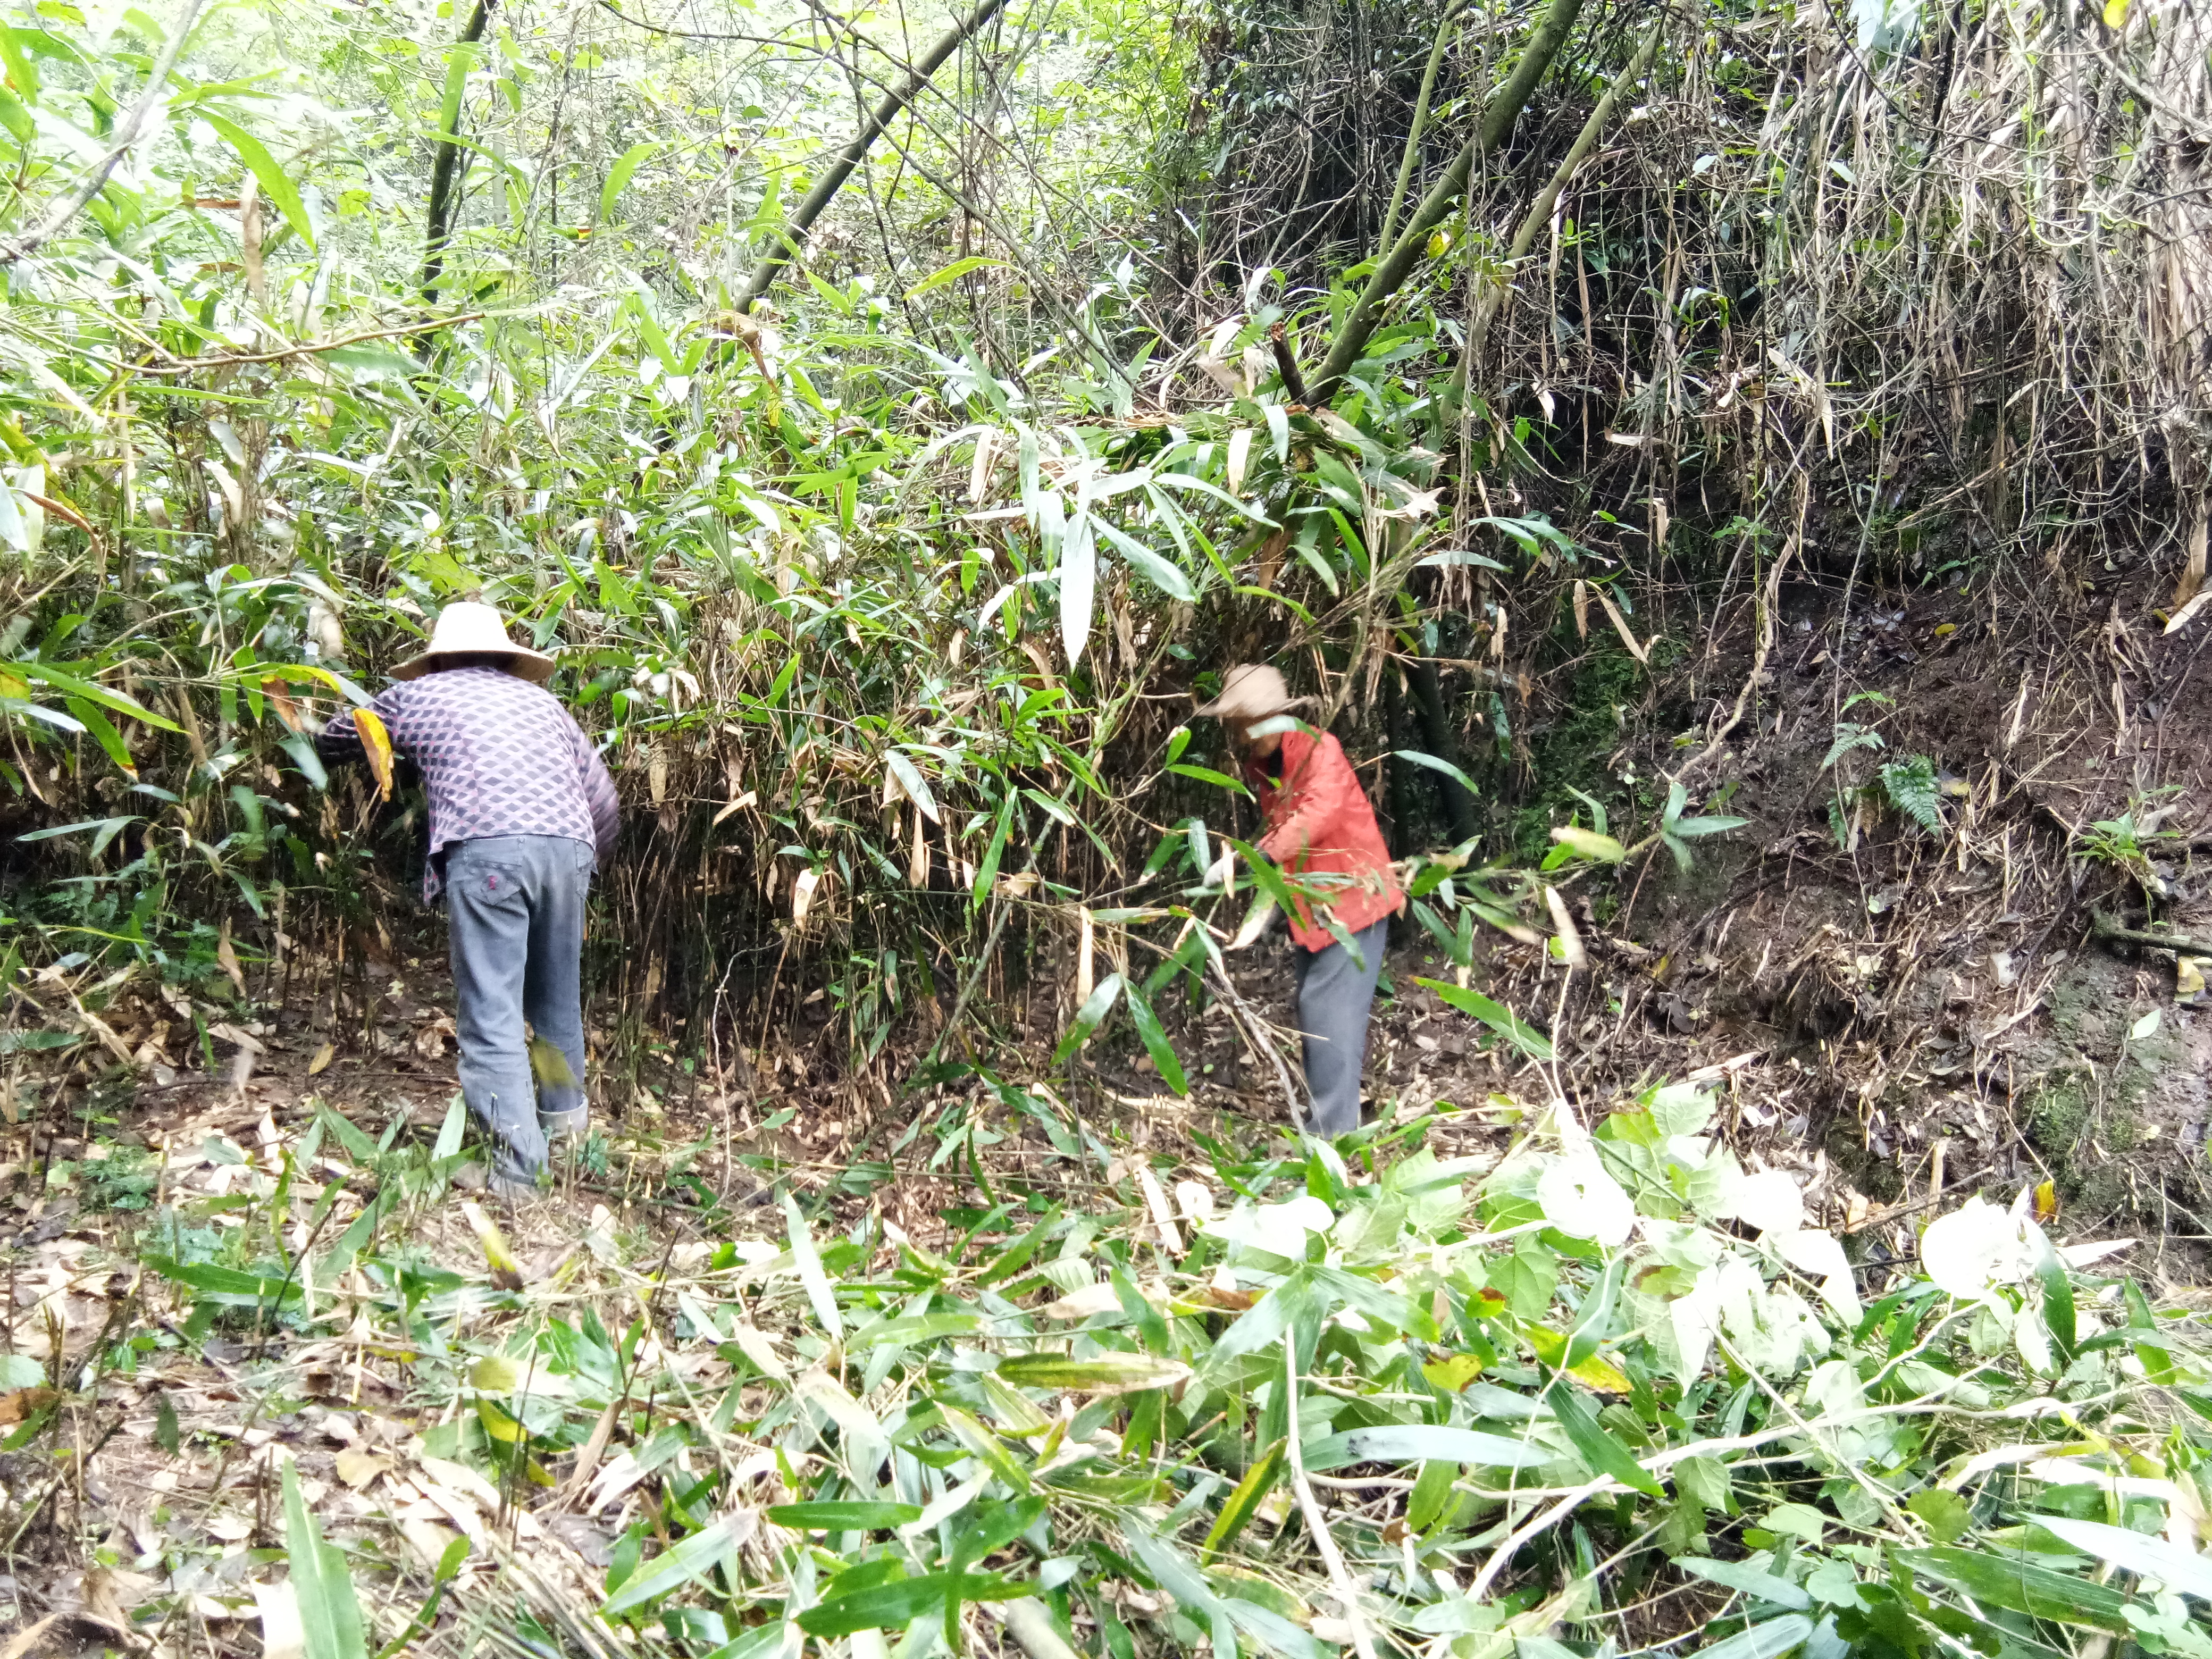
[499, 756]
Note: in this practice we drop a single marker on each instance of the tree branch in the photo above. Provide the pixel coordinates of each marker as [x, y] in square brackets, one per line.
[826, 188]
[1397, 264]
[19, 247]
[445, 165]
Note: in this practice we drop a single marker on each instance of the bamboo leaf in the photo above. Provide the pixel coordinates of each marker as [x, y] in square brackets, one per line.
[275, 184]
[330, 1615]
[694, 1558]
[1496, 1015]
[1156, 1041]
[619, 174]
[1103, 1373]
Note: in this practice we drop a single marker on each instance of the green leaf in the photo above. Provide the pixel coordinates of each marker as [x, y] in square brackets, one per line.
[330, 1615]
[951, 273]
[852, 1517]
[808, 1263]
[899, 1603]
[1604, 1454]
[1496, 1015]
[1692, 829]
[1243, 1503]
[1743, 1576]
[1443, 766]
[985, 1447]
[1095, 1008]
[2009, 1581]
[1947, 1514]
[619, 174]
[106, 830]
[1763, 1641]
[1910, 786]
[1208, 775]
[1421, 1443]
[71, 683]
[911, 780]
[694, 1558]
[1155, 569]
[1590, 844]
[1101, 1373]
[2141, 1553]
[274, 184]
[1156, 1041]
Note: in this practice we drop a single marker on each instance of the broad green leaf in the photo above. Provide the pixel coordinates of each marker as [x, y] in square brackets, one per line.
[1078, 581]
[1156, 1041]
[1692, 829]
[1999, 1580]
[1443, 766]
[1496, 1015]
[985, 1446]
[952, 273]
[1742, 1576]
[2141, 1553]
[1763, 1641]
[1101, 1373]
[1590, 844]
[1419, 1443]
[1095, 1009]
[909, 779]
[70, 683]
[330, 1615]
[694, 1558]
[1245, 1502]
[1604, 1454]
[810, 1276]
[899, 1603]
[857, 1515]
[619, 174]
[274, 183]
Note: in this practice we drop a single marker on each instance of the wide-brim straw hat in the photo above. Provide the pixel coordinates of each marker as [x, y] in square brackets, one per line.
[1251, 691]
[464, 627]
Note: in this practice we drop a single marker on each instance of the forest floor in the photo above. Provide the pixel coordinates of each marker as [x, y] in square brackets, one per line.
[1904, 1018]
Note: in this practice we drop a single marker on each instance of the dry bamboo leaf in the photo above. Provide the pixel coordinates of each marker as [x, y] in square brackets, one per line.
[917, 864]
[1570, 941]
[737, 804]
[1619, 626]
[283, 1634]
[1240, 457]
[376, 742]
[321, 1062]
[1083, 1303]
[1156, 1200]
[1582, 609]
[802, 895]
[1086, 941]
[2188, 977]
[226, 958]
[506, 1272]
[19, 1404]
[979, 476]
[2187, 614]
[2192, 573]
[281, 701]
[357, 1467]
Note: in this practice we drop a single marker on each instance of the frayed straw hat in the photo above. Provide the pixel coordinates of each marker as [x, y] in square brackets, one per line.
[466, 626]
[1251, 691]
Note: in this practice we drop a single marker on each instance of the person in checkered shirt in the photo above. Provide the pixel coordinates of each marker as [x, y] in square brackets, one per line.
[522, 811]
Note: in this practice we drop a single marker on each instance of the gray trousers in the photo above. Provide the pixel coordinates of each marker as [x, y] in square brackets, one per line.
[1334, 996]
[515, 909]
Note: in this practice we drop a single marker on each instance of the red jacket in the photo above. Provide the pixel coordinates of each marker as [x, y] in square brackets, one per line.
[1319, 822]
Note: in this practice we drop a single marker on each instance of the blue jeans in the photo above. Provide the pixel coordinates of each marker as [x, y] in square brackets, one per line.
[515, 909]
[1335, 994]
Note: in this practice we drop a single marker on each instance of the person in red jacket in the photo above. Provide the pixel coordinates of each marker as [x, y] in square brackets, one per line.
[1319, 829]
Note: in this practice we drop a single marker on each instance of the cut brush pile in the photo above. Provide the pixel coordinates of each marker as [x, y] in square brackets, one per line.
[1608, 1393]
